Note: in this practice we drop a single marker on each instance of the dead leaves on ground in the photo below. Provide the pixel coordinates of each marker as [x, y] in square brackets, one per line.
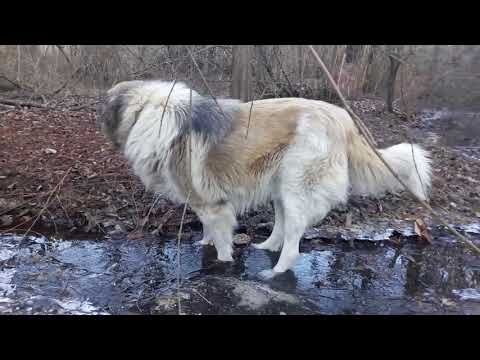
[422, 231]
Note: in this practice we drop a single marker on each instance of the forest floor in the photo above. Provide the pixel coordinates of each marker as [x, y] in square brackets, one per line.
[59, 174]
[109, 248]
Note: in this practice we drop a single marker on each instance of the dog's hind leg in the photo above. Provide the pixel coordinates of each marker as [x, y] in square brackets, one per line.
[296, 220]
[275, 240]
[306, 200]
[220, 221]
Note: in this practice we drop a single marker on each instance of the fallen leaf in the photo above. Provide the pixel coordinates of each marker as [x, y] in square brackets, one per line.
[422, 231]
[408, 257]
[6, 220]
[164, 219]
[241, 239]
[364, 268]
[448, 302]
[348, 220]
[26, 219]
[136, 235]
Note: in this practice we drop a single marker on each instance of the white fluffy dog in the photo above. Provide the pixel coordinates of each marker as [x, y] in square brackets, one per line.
[304, 155]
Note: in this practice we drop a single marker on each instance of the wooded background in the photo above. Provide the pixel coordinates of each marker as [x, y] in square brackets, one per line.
[402, 75]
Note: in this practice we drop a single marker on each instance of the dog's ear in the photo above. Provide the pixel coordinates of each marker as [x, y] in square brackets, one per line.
[111, 109]
[110, 114]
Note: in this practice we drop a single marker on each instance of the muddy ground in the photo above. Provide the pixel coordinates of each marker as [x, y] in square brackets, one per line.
[60, 180]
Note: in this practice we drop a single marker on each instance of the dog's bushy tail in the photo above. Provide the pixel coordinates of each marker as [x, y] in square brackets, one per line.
[370, 177]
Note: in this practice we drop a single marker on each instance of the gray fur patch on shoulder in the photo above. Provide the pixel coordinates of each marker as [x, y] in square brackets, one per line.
[209, 121]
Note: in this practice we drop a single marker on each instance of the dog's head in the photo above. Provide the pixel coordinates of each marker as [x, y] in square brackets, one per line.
[126, 100]
[111, 114]
[146, 102]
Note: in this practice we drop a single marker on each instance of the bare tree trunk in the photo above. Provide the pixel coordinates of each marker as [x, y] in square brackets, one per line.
[299, 64]
[435, 60]
[241, 72]
[19, 64]
[368, 81]
[392, 76]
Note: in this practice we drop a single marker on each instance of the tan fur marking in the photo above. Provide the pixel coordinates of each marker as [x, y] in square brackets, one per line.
[240, 160]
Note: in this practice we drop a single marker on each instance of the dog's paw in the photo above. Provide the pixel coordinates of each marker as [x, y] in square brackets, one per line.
[224, 258]
[267, 246]
[267, 274]
[204, 242]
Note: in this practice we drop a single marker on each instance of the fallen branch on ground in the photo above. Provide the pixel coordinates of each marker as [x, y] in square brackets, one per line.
[23, 103]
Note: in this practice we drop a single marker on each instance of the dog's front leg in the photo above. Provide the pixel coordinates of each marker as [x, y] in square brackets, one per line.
[207, 236]
[219, 220]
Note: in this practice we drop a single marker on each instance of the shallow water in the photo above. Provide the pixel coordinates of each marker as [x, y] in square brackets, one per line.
[456, 129]
[48, 276]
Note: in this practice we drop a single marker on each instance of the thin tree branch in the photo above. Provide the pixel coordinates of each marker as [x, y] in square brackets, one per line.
[62, 50]
[205, 81]
[64, 85]
[165, 107]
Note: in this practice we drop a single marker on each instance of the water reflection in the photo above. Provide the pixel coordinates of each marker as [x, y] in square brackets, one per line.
[125, 276]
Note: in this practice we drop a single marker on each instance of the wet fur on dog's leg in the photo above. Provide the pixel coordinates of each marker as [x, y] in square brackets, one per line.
[207, 238]
[220, 220]
[275, 240]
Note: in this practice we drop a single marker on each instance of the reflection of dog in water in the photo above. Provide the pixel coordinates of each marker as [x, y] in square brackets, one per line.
[305, 155]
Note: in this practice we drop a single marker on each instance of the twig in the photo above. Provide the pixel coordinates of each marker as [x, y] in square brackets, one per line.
[6, 111]
[165, 107]
[365, 132]
[23, 103]
[2, 76]
[14, 208]
[155, 65]
[416, 169]
[250, 113]
[184, 209]
[60, 47]
[276, 86]
[179, 265]
[46, 203]
[398, 59]
[81, 107]
[249, 117]
[205, 81]
[402, 94]
[291, 90]
[369, 139]
[203, 297]
[9, 107]
[145, 220]
[64, 85]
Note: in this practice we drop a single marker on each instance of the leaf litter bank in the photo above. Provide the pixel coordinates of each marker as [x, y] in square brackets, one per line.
[100, 195]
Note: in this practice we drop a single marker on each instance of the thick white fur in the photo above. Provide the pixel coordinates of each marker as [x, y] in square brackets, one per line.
[324, 161]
